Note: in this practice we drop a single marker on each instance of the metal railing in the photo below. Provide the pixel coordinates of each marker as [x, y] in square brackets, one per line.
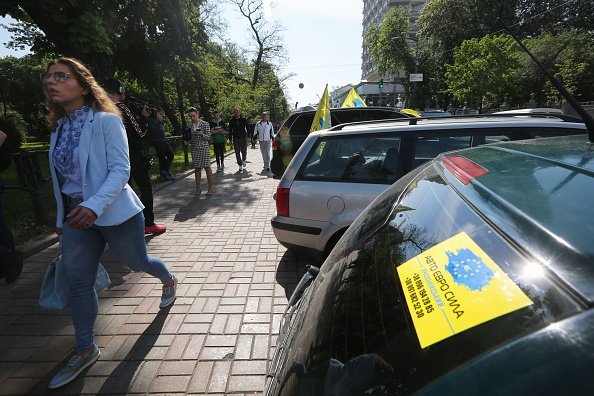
[31, 178]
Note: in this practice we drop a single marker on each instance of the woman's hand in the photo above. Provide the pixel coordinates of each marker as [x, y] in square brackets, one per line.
[81, 217]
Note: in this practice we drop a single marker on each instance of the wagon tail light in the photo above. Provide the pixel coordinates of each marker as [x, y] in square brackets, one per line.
[282, 201]
[462, 168]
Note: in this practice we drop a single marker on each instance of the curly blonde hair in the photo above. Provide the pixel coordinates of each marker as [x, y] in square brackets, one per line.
[97, 98]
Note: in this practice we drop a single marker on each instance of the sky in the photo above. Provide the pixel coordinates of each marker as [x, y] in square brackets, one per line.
[322, 39]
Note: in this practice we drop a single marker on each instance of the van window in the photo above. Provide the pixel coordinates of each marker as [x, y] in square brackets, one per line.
[429, 147]
[364, 159]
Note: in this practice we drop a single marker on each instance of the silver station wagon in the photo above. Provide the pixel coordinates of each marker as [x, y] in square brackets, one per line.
[336, 173]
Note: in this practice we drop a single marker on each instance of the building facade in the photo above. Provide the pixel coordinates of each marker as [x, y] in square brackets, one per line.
[373, 13]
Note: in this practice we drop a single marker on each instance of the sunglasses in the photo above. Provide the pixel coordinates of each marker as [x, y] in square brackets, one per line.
[59, 77]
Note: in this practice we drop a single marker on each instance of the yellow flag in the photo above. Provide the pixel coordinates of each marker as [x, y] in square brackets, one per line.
[411, 112]
[322, 119]
[353, 100]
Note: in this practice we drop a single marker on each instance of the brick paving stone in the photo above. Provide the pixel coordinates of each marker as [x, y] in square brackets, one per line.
[246, 383]
[175, 367]
[194, 347]
[255, 367]
[220, 340]
[235, 280]
[17, 386]
[201, 377]
[169, 384]
[216, 353]
[244, 346]
[177, 347]
[219, 377]
[261, 347]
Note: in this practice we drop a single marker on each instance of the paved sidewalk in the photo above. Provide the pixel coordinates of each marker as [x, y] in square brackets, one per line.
[216, 339]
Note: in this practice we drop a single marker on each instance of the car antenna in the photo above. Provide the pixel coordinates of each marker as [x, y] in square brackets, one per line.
[569, 97]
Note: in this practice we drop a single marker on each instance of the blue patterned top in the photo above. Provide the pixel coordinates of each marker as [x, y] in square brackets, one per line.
[65, 154]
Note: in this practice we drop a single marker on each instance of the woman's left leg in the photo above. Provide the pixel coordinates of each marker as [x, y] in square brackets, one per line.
[127, 240]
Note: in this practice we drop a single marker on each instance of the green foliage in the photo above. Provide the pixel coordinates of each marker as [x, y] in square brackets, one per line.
[9, 125]
[445, 24]
[482, 70]
[387, 42]
[569, 55]
[160, 50]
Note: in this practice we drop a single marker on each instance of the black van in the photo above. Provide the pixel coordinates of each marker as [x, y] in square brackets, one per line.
[295, 129]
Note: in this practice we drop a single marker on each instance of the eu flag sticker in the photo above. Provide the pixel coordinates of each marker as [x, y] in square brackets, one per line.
[455, 286]
[468, 269]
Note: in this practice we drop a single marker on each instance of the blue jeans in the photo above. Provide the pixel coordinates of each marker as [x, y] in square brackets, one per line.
[81, 251]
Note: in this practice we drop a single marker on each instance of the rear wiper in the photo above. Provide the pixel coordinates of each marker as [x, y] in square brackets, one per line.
[310, 273]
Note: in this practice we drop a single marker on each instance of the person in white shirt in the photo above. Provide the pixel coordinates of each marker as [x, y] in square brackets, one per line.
[264, 132]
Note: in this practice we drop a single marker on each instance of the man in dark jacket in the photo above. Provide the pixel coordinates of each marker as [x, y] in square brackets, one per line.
[155, 132]
[139, 165]
[238, 129]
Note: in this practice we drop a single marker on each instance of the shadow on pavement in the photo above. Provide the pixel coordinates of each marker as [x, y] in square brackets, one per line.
[291, 268]
[121, 377]
[234, 187]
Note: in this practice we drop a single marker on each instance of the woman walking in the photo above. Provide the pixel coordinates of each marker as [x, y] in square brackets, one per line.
[90, 168]
[200, 150]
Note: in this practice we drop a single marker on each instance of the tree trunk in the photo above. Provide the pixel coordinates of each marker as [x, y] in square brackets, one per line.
[201, 98]
[180, 103]
[257, 66]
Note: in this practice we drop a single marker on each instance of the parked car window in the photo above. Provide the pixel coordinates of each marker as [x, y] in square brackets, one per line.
[355, 323]
[365, 159]
[429, 147]
[302, 124]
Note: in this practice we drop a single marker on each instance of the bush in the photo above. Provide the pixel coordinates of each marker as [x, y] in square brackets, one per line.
[10, 126]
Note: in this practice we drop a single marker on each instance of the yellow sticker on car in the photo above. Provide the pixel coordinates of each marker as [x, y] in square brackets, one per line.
[455, 286]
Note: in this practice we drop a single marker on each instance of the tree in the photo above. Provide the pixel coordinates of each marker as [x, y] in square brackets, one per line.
[482, 71]
[20, 91]
[569, 55]
[387, 42]
[265, 34]
[554, 16]
[445, 24]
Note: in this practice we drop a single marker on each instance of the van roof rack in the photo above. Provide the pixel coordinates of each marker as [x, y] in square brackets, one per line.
[413, 121]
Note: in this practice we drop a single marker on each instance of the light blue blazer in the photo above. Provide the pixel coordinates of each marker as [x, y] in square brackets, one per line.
[104, 168]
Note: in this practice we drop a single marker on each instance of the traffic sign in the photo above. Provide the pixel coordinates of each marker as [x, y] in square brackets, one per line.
[418, 77]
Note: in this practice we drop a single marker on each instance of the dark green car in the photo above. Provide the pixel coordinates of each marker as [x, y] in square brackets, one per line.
[473, 274]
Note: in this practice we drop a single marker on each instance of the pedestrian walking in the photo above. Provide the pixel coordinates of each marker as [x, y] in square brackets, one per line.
[200, 150]
[250, 129]
[219, 139]
[155, 132]
[139, 159]
[264, 132]
[90, 167]
[11, 259]
[238, 129]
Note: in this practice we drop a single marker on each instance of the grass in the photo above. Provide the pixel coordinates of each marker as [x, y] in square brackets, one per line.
[18, 208]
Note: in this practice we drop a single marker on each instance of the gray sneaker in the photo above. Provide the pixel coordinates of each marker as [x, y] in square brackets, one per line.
[168, 296]
[73, 368]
